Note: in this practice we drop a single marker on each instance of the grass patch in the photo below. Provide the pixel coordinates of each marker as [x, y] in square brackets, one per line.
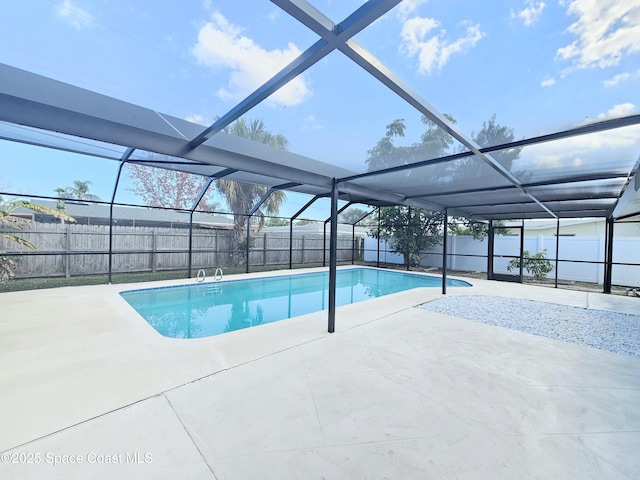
[19, 284]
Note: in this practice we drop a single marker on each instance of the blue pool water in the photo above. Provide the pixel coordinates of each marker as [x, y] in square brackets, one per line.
[206, 309]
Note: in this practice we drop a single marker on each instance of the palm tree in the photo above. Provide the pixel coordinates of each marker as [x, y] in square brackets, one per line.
[79, 191]
[241, 197]
[7, 265]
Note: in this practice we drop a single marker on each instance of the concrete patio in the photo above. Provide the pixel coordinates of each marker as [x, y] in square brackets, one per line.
[397, 392]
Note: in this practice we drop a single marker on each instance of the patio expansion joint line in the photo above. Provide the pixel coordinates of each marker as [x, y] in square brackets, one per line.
[380, 318]
[195, 444]
[161, 393]
[443, 404]
[82, 422]
[313, 398]
[329, 445]
[596, 387]
[565, 434]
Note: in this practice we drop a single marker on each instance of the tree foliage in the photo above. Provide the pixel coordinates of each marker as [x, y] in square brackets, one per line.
[79, 191]
[538, 265]
[242, 197]
[409, 231]
[277, 222]
[175, 189]
[12, 222]
[424, 229]
[478, 230]
[159, 187]
[353, 214]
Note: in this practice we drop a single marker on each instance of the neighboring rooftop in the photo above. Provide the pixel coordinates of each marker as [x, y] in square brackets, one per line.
[99, 214]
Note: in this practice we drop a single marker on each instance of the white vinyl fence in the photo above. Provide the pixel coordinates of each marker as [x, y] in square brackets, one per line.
[578, 249]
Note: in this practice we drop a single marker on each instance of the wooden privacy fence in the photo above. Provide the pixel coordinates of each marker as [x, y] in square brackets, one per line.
[70, 250]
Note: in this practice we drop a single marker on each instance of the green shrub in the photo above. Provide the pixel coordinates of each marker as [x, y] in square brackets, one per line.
[538, 265]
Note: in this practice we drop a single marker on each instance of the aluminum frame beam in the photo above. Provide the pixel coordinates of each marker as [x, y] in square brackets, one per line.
[40, 102]
[574, 132]
[320, 24]
[208, 183]
[354, 23]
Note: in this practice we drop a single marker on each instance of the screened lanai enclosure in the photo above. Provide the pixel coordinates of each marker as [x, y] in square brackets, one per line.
[288, 133]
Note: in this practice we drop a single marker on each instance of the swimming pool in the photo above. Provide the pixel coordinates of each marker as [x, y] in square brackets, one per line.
[206, 309]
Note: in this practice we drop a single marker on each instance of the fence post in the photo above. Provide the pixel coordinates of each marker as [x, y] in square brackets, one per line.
[264, 250]
[67, 257]
[215, 253]
[302, 257]
[154, 243]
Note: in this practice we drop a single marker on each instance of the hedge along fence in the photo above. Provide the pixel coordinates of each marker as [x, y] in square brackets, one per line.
[71, 250]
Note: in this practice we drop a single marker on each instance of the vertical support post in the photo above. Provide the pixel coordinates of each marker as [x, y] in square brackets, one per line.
[248, 241]
[608, 265]
[125, 156]
[290, 243]
[557, 248]
[353, 244]
[302, 252]
[378, 260]
[190, 241]
[522, 251]
[111, 235]
[332, 257]
[324, 245]
[296, 215]
[408, 254]
[490, 241]
[444, 252]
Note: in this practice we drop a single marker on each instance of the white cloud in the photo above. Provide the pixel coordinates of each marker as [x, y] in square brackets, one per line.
[530, 14]
[75, 16]
[197, 118]
[548, 81]
[605, 31]
[273, 15]
[407, 7]
[585, 150]
[221, 45]
[623, 77]
[311, 123]
[621, 110]
[435, 50]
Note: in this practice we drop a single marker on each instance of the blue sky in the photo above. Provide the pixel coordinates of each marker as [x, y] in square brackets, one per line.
[539, 66]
